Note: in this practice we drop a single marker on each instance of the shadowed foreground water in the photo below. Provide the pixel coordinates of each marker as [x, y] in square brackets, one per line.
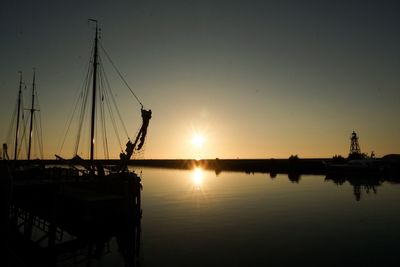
[198, 218]
[195, 218]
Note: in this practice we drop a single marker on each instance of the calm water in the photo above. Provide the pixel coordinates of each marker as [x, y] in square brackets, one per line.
[196, 218]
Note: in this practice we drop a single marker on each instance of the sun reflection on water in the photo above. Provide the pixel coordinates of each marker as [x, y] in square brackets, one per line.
[197, 178]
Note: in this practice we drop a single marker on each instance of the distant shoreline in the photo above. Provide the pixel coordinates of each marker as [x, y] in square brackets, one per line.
[388, 165]
[314, 165]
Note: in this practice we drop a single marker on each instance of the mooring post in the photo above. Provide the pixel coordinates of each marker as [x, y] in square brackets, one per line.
[52, 234]
[137, 218]
[138, 228]
[5, 198]
[133, 214]
[138, 188]
[13, 219]
[52, 222]
[28, 226]
[90, 255]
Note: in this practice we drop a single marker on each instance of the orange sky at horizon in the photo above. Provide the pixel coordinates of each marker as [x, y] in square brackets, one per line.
[252, 79]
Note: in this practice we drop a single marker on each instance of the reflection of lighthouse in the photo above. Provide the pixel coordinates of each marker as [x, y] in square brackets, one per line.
[355, 152]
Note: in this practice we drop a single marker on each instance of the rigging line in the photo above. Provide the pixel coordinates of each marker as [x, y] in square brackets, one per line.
[41, 138]
[96, 150]
[13, 122]
[86, 90]
[38, 130]
[105, 140]
[23, 139]
[116, 107]
[38, 126]
[37, 100]
[113, 122]
[77, 96]
[11, 126]
[37, 151]
[68, 125]
[108, 94]
[120, 75]
[103, 116]
[35, 139]
[100, 117]
[79, 118]
[83, 110]
[26, 134]
[104, 83]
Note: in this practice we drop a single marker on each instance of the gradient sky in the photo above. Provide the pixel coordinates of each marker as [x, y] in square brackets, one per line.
[258, 79]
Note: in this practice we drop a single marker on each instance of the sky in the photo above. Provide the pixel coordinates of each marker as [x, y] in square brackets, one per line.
[250, 79]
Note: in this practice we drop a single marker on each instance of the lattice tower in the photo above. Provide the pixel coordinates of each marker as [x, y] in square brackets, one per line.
[354, 146]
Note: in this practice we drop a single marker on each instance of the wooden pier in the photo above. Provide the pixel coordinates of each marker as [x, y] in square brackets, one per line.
[49, 221]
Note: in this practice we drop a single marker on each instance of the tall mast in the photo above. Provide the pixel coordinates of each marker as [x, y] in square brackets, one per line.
[32, 111]
[93, 119]
[18, 115]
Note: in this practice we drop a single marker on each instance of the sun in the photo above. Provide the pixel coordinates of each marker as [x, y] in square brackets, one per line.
[198, 140]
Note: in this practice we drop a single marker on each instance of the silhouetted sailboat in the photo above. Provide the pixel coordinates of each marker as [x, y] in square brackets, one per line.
[17, 127]
[92, 168]
[91, 204]
[23, 169]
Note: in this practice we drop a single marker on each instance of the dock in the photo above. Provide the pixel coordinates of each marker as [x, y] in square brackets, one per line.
[47, 222]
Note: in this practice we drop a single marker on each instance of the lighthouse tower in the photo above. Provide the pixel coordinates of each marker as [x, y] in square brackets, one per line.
[355, 152]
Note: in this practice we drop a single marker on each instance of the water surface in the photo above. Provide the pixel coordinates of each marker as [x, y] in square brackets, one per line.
[198, 218]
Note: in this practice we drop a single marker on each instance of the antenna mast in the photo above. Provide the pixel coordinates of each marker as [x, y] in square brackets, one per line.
[93, 118]
[32, 112]
[18, 115]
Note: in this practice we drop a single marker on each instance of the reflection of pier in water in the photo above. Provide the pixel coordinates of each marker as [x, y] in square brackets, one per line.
[70, 223]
